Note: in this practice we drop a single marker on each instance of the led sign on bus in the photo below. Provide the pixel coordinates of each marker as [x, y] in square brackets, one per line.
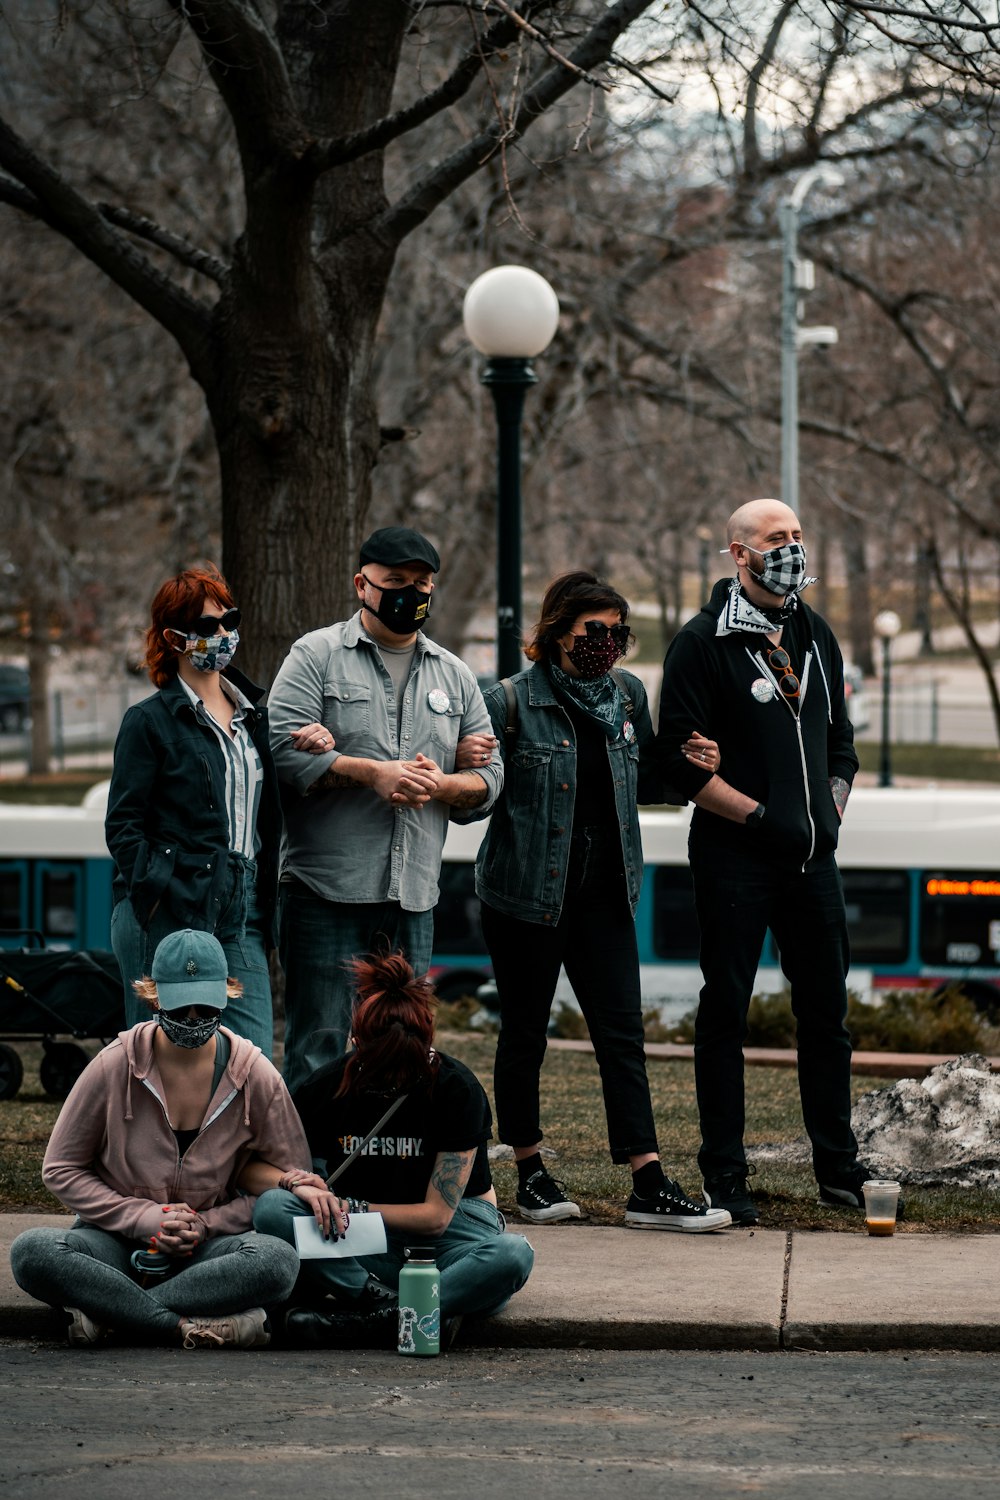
[952, 887]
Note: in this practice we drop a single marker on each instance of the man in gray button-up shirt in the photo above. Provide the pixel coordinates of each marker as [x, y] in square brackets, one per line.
[380, 709]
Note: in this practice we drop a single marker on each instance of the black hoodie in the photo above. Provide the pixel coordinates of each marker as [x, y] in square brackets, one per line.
[779, 751]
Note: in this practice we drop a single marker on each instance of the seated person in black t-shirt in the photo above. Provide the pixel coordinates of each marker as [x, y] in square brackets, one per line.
[426, 1171]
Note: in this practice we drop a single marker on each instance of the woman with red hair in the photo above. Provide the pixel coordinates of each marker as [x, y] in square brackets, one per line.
[425, 1170]
[193, 818]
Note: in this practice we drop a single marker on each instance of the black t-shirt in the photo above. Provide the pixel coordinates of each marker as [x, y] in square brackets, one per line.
[452, 1114]
[594, 806]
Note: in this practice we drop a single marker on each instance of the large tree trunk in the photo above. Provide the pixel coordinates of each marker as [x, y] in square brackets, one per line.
[298, 438]
[293, 401]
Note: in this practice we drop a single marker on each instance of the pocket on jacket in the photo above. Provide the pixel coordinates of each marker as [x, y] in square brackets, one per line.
[347, 710]
[824, 815]
[153, 872]
[445, 730]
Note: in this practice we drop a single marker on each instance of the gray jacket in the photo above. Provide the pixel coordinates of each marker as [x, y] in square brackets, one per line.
[347, 844]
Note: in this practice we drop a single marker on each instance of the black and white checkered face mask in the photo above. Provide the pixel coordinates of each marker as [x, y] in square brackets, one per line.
[784, 568]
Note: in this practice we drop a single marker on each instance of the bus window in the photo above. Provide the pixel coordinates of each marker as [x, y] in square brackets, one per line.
[675, 925]
[13, 902]
[59, 905]
[456, 916]
[960, 918]
[878, 916]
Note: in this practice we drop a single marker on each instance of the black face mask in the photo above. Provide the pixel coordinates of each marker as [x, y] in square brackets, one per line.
[400, 610]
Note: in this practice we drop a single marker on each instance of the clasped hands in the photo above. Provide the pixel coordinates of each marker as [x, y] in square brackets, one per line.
[181, 1230]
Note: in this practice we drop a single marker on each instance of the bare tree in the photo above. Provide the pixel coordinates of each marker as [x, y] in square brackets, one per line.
[281, 335]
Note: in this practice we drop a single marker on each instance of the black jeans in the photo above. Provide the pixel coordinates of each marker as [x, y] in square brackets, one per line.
[736, 903]
[595, 939]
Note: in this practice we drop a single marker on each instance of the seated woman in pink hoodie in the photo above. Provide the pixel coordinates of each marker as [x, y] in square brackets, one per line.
[149, 1151]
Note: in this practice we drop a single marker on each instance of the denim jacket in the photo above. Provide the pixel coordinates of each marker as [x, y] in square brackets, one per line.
[521, 869]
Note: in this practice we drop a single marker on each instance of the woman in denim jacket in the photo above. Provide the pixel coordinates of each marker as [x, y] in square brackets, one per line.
[558, 875]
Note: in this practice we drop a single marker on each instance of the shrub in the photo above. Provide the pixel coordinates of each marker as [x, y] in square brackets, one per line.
[568, 1022]
[901, 1021]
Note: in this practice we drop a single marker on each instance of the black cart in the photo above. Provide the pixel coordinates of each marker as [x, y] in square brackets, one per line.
[45, 995]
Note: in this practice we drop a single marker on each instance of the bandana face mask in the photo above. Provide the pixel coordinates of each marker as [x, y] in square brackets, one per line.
[185, 1033]
[594, 654]
[784, 568]
[212, 653]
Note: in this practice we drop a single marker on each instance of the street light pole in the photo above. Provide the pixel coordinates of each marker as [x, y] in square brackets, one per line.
[508, 381]
[511, 314]
[789, 218]
[887, 626]
[797, 277]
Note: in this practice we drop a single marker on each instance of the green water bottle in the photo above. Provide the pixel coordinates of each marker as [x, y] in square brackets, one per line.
[420, 1303]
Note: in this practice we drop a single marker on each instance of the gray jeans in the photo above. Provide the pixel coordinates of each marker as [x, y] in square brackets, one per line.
[88, 1268]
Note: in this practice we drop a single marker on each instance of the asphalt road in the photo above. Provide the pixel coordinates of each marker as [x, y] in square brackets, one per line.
[164, 1423]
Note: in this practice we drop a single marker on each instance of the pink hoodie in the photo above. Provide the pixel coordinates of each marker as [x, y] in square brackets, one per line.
[113, 1157]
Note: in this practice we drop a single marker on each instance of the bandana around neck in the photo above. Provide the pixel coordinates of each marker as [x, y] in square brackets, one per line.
[739, 614]
[598, 697]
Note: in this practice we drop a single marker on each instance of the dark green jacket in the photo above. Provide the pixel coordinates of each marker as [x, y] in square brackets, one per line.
[166, 825]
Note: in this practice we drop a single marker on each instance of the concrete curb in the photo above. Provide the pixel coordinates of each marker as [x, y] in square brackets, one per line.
[767, 1290]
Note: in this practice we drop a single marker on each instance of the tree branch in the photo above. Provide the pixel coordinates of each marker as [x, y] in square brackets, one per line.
[936, 22]
[420, 201]
[176, 245]
[336, 152]
[751, 146]
[248, 68]
[48, 196]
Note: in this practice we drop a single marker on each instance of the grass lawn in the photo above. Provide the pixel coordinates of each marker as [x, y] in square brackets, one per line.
[574, 1126]
[944, 762]
[66, 787]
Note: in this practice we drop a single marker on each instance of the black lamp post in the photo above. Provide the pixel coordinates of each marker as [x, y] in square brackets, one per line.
[887, 625]
[510, 314]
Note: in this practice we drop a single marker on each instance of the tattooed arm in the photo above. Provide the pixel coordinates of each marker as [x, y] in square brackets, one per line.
[840, 791]
[449, 1176]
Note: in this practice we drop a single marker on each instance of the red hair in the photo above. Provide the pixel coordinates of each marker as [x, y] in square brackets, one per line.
[393, 1028]
[178, 603]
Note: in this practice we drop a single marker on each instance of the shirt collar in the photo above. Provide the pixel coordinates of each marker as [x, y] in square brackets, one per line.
[355, 634]
[238, 698]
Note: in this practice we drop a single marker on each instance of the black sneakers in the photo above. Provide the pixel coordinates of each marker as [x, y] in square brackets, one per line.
[671, 1208]
[317, 1328]
[542, 1200]
[845, 1190]
[731, 1192]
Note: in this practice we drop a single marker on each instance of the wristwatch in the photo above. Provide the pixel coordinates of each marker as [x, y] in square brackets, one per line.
[755, 816]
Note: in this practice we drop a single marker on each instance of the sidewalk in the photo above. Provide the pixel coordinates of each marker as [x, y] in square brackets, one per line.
[764, 1289]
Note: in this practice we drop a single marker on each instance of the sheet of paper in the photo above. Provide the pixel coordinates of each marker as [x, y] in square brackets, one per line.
[365, 1236]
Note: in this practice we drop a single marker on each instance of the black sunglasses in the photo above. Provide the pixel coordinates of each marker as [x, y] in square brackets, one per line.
[781, 663]
[598, 631]
[208, 625]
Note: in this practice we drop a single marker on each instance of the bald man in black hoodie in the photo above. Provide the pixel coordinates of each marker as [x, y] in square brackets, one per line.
[761, 673]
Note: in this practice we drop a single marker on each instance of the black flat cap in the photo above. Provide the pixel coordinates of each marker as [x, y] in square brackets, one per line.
[398, 544]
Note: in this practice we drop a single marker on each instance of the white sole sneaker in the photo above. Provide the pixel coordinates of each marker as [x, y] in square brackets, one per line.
[552, 1214]
[83, 1332]
[714, 1218]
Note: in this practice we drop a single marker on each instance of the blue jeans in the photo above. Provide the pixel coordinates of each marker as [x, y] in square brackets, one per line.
[481, 1266]
[736, 903]
[239, 931]
[317, 939]
[90, 1268]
